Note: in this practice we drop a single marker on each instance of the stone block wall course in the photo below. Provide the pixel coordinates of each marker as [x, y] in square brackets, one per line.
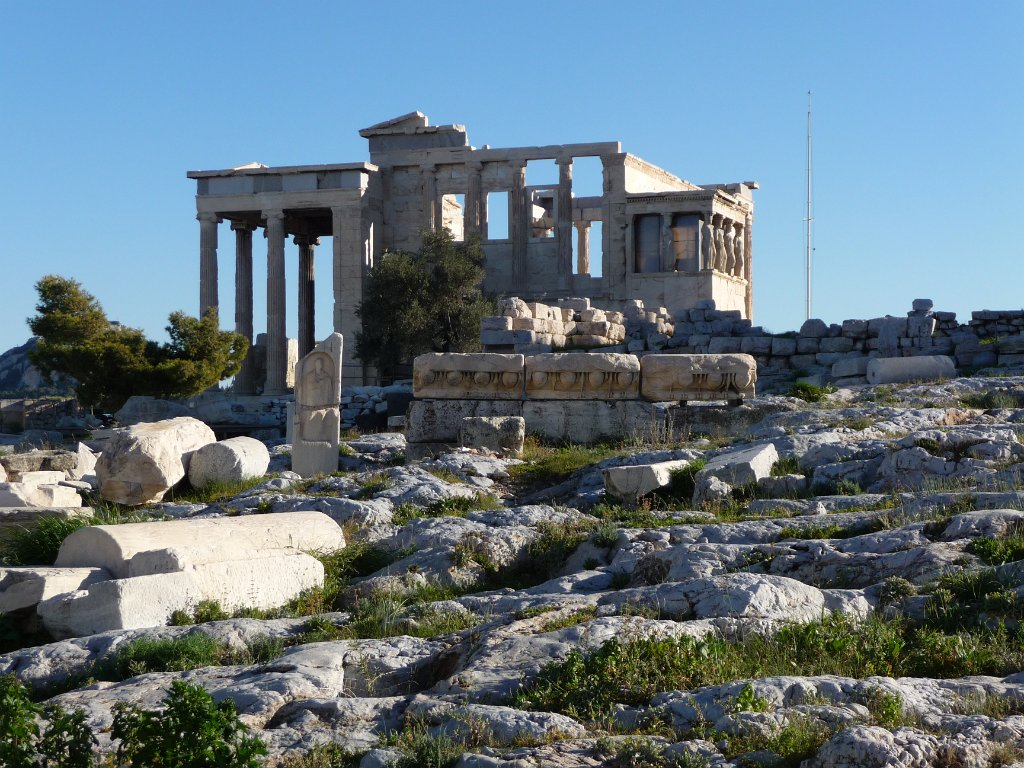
[811, 351]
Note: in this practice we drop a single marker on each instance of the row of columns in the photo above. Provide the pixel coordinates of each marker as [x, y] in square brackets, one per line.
[277, 337]
[474, 213]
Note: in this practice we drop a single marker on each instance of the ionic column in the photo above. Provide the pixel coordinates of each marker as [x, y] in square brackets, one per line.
[307, 293]
[433, 220]
[520, 224]
[277, 337]
[244, 383]
[207, 261]
[583, 247]
[474, 200]
[563, 221]
[668, 248]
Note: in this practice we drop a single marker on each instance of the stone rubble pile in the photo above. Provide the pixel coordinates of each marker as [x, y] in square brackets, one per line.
[836, 353]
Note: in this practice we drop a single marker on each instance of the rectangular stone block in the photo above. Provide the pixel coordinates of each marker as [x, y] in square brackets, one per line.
[497, 338]
[149, 601]
[854, 366]
[681, 378]
[480, 375]
[438, 421]
[27, 586]
[588, 421]
[593, 376]
[169, 546]
[496, 323]
[783, 346]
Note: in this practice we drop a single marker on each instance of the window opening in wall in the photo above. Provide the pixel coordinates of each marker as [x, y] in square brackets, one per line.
[541, 173]
[596, 249]
[497, 216]
[647, 243]
[587, 177]
[686, 242]
[453, 209]
[542, 213]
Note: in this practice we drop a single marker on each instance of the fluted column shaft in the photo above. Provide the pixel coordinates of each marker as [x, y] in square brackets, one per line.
[207, 261]
[277, 338]
[430, 212]
[583, 247]
[307, 293]
[520, 223]
[244, 380]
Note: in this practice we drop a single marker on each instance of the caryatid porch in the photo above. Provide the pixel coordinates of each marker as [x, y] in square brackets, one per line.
[304, 203]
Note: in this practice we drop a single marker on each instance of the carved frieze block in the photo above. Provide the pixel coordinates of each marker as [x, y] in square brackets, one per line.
[697, 377]
[473, 376]
[587, 376]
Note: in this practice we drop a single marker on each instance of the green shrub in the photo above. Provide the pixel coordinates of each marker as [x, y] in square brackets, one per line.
[1007, 548]
[810, 393]
[66, 742]
[215, 736]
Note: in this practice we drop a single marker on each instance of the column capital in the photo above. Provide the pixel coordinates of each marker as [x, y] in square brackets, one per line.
[428, 167]
[564, 160]
[268, 215]
[242, 226]
[475, 165]
[208, 217]
[306, 240]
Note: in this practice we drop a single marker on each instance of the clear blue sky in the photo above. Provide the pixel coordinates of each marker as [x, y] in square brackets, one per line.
[918, 129]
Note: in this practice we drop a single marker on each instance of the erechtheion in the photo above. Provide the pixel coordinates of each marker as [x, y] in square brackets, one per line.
[663, 240]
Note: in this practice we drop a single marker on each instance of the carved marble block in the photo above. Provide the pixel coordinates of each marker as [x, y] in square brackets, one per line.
[698, 377]
[473, 376]
[593, 376]
[317, 425]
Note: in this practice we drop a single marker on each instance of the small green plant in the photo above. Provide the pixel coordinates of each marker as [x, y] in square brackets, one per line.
[214, 492]
[810, 393]
[215, 736]
[787, 465]
[569, 619]
[933, 446]
[325, 756]
[372, 485]
[747, 700]
[886, 709]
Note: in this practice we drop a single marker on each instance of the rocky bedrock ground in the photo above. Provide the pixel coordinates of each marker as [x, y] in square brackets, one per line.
[859, 607]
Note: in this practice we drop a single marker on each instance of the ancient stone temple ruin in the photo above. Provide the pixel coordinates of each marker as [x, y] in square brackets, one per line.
[663, 240]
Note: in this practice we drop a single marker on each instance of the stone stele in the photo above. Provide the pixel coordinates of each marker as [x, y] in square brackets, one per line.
[317, 426]
[473, 376]
[593, 376]
[680, 378]
[141, 463]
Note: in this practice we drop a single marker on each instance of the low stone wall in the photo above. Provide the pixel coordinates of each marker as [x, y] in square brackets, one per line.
[572, 396]
[836, 352]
